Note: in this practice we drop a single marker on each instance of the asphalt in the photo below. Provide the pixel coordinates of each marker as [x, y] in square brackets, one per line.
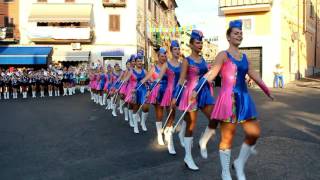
[73, 138]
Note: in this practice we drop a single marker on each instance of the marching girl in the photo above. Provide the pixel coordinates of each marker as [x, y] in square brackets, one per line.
[24, 84]
[42, 82]
[234, 104]
[91, 80]
[82, 79]
[157, 90]
[14, 85]
[107, 87]
[57, 84]
[7, 84]
[172, 70]
[116, 75]
[96, 85]
[33, 83]
[72, 81]
[100, 88]
[137, 93]
[123, 88]
[1, 84]
[65, 81]
[193, 68]
[50, 81]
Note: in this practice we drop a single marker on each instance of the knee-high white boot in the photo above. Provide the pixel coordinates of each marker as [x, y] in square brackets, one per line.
[91, 95]
[240, 162]
[144, 118]
[70, 91]
[104, 99]
[131, 118]
[126, 114]
[188, 159]
[121, 102]
[159, 133]
[169, 138]
[65, 93]
[182, 132]
[208, 133]
[225, 164]
[114, 112]
[135, 123]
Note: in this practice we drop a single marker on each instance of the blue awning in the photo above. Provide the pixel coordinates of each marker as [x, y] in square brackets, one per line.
[113, 53]
[24, 55]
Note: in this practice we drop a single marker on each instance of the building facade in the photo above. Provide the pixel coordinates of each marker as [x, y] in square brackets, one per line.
[276, 32]
[9, 22]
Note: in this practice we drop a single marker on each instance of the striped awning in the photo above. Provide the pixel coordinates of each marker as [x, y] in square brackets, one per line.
[71, 56]
[60, 12]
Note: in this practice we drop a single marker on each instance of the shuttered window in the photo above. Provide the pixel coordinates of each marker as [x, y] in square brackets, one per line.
[114, 23]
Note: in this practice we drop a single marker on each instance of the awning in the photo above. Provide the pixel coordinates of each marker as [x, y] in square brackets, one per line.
[55, 12]
[71, 56]
[113, 53]
[24, 55]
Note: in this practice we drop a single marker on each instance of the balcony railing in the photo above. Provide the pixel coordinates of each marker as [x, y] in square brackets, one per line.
[114, 3]
[61, 34]
[8, 34]
[243, 6]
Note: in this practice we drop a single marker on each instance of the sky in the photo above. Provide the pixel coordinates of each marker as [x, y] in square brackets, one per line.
[202, 13]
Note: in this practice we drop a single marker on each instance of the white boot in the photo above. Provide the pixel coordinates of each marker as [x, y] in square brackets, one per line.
[42, 94]
[65, 92]
[208, 133]
[169, 134]
[70, 91]
[182, 132]
[100, 100]
[74, 90]
[33, 94]
[120, 106]
[159, 133]
[114, 112]
[58, 92]
[26, 94]
[108, 104]
[104, 99]
[135, 123]
[131, 118]
[95, 98]
[8, 95]
[50, 93]
[188, 160]
[91, 95]
[126, 113]
[144, 118]
[225, 164]
[239, 163]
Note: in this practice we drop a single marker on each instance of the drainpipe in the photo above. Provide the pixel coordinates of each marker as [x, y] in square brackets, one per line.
[299, 74]
[316, 39]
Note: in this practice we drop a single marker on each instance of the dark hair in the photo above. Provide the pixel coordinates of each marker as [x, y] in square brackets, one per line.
[229, 31]
[191, 40]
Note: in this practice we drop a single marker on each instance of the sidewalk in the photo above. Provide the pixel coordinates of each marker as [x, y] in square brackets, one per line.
[309, 82]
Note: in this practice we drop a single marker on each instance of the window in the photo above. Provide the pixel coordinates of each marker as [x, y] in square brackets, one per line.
[42, 24]
[7, 0]
[155, 11]
[69, 1]
[6, 21]
[114, 23]
[149, 4]
[42, 1]
[312, 11]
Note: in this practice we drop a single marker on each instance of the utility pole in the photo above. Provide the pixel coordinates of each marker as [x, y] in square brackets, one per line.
[146, 53]
[316, 38]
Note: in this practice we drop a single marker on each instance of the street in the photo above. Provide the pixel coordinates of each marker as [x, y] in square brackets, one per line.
[73, 138]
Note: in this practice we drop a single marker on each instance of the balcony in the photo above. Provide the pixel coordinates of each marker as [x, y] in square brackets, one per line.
[244, 6]
[61, 34]
[114, 3]
[8, 35]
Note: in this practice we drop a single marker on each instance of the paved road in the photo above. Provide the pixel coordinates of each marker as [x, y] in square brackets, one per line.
[73, 138]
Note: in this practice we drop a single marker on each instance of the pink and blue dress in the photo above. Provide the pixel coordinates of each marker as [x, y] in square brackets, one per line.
[205, 97]
[173, 75]
[234, 103]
